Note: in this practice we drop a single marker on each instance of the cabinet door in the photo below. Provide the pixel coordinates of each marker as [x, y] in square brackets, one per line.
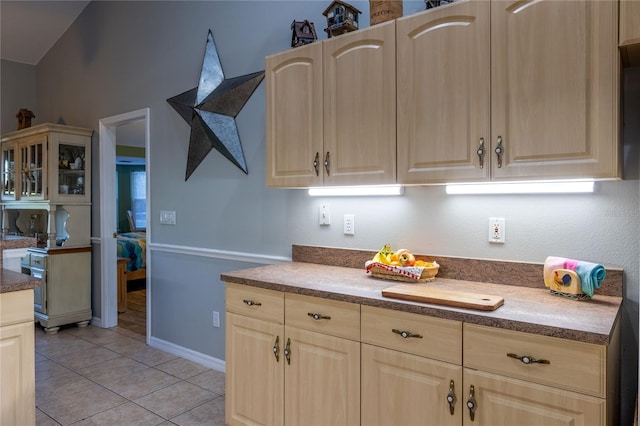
[70, 168]
[629, 22]
[8, 171]
[555, 89]
[404, 389]
[502, 401]
[255, 376]
[360, 107]
[444, 94]
[33, 166]
[17, 374]
[294, 117]
[322, 380]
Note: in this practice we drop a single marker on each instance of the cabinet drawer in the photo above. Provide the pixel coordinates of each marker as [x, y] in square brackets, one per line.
[575, 366]
[255, 302]
[341, 319]
[440, 339]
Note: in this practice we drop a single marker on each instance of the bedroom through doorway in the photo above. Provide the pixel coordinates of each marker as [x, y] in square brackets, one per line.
[131, 225]
[124, 201]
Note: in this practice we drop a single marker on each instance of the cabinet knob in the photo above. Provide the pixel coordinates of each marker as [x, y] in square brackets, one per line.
[287, 351]
[252, 303]
[276, 349]
[480, 152]
[316, 163]
[406, 334]
[471, 403]
[499, 151]
[326, 163]
[318, 317]
[527, 359]
[451, 397]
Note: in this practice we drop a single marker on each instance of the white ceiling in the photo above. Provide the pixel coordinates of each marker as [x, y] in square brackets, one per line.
[28, 29]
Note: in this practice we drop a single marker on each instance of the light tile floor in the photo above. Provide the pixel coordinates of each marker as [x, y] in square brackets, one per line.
[96, 376]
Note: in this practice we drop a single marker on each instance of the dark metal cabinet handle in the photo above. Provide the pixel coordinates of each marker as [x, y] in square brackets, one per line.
[252, 303]
[499, 151]
[276, 349]
[316, 163]
[480, 152]
[318, 317]
[326, 163]
[406, 334]
[527, 359]
[471, 403]
[287, 351]
[451, 397]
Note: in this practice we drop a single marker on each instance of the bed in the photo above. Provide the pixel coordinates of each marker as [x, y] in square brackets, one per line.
[133, 246]
[132, 262]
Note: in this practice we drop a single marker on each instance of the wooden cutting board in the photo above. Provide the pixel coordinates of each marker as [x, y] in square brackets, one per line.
[459, 299]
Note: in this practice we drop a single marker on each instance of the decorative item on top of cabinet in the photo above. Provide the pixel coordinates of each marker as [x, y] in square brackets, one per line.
[515, 92]
[430, 4]
[384, 10]
[302, 33]
[331, 111]
[24, 117]
[341, 18]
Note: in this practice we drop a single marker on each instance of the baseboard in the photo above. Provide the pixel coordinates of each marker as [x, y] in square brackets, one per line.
[97, 322]
[191, 355]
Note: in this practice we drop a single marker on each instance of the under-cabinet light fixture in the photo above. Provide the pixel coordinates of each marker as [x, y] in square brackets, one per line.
[355, 191]
[547, 187]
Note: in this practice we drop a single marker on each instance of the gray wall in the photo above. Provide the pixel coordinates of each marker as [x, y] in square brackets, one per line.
[17, 90]
[122, 56]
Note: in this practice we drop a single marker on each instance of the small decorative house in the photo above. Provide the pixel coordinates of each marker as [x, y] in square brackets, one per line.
[435, 3]
[24, 117]
[341, 18]
[302, 32]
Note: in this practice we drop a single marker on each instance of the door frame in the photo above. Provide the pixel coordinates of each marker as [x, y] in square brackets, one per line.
[108, 266]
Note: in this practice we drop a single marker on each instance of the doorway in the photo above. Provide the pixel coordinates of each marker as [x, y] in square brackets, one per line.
[111, 128]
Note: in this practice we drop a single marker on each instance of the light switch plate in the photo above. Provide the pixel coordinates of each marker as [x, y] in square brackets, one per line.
[168, 217]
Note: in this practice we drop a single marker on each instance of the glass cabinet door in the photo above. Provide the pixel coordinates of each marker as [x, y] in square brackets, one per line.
[71, 170]
[33, 157]
[8, 176]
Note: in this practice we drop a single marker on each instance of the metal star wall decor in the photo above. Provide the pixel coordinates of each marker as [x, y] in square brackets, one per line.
[211, 110]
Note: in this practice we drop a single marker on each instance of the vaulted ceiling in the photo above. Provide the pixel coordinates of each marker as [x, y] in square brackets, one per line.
[28, 29]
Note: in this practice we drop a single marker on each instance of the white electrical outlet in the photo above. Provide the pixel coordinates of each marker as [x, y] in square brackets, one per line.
[349, 224]
[216, 319]
[324, 215]
[496, 229]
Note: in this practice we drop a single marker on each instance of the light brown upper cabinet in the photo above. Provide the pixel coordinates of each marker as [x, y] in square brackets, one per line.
[508, 90]
[331, 111]
[630, 31]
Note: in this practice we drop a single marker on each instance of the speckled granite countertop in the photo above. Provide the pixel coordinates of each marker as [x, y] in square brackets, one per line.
[525, 309]
[13, 281]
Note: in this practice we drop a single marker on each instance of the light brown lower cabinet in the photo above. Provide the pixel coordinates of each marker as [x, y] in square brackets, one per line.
[301, 360]
[405, 389]
[498, 400]
[17, 359]
[283, 375]
[254, 378]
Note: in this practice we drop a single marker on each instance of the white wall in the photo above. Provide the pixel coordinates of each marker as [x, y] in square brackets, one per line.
[122, 56]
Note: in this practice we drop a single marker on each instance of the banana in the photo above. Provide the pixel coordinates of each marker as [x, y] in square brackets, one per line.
[384, 255]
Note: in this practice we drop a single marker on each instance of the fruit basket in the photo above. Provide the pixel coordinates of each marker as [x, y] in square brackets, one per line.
[400, 265]
[414, 274]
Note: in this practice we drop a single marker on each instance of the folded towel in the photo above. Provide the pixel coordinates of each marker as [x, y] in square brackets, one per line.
[591, 274]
